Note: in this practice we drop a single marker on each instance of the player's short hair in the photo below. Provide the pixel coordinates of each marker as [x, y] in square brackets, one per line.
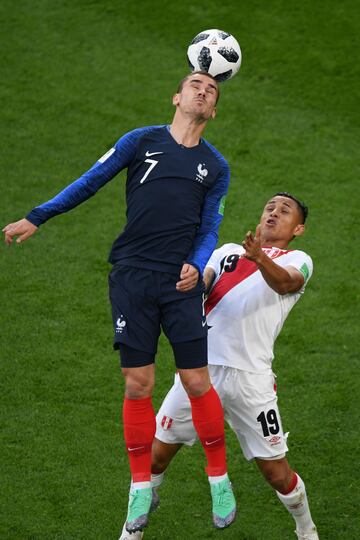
[181, 83]
[304, 210]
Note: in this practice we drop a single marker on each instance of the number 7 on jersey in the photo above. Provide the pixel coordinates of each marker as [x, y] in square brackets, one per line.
[153, 163]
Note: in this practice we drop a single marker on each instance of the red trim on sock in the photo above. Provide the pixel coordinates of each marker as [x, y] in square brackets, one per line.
[208, 419]
[139, 433]
[292, 485]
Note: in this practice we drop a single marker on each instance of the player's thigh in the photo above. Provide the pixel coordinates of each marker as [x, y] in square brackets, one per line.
[174, 421]
[184, 323]
[135, 311]
[252, 411]
[182, 313]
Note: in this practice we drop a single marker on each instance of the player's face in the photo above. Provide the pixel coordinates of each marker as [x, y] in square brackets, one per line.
[281, 220]
[198, 97]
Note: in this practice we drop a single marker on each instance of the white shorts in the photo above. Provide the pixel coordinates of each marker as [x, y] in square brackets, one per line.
[250, 408]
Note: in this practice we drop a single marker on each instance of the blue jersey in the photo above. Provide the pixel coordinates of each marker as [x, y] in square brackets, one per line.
[175, 198]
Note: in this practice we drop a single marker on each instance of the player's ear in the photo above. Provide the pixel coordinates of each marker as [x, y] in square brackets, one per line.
[176, 99]
[213, 114]
[299, 229]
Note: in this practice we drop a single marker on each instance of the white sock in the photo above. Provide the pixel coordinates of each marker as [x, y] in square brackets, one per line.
[216, 479]
[134, 536]
[139, 485]
[297, 504]
[157, 479]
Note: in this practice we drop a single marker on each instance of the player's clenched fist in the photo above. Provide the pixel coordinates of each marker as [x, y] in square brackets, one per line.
[21, 229]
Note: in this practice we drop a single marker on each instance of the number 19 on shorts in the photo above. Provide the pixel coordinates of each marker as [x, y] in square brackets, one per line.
[269, 422]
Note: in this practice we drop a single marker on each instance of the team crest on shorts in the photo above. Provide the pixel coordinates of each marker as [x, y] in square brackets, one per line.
[120, 325]
[166, 422]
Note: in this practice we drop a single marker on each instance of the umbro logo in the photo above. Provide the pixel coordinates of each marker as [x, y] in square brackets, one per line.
[149, 154]
[274, 440]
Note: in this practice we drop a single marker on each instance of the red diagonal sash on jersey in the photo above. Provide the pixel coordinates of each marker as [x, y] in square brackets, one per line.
[228, 280]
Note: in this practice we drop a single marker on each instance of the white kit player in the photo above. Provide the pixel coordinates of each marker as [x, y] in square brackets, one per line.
[253, 288]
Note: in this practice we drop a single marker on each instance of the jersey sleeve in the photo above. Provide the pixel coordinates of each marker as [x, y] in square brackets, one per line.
[216, 258]
[108, 166]
[303, 263]
[212, 215]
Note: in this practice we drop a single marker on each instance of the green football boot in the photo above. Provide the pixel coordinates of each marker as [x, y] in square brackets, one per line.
[223, 504]
[138, 509]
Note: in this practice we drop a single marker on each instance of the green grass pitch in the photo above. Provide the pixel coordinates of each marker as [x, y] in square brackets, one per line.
[75, 75]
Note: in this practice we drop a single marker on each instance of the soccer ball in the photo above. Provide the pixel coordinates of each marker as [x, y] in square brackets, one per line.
[216, 52]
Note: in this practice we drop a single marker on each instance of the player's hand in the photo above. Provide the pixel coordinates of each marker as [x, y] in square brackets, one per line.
[22, 229]
[189, 276]
[252, 245]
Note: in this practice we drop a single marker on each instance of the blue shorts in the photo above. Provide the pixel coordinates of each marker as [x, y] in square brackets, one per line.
[144, 301]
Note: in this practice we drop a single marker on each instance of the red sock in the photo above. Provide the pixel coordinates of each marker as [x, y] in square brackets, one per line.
[208, 418]
[139, 433]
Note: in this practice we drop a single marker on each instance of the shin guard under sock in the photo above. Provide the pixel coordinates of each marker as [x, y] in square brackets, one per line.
[297, 504]
[139, 432]
[208, 419]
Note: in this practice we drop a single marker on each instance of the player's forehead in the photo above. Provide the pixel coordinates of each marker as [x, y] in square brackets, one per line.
[280, 200]
[201, 78]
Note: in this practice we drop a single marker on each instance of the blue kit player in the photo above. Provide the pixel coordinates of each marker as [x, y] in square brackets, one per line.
[175, 194]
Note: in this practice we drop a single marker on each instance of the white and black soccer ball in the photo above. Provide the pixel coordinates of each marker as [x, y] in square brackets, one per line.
[215, 52]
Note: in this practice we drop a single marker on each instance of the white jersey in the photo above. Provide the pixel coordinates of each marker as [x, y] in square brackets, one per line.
[244, 314]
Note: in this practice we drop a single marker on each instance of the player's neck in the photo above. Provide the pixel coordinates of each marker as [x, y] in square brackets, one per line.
[186, 130]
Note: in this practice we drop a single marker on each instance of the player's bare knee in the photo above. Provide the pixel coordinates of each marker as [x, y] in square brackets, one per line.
[195, 381]
[138, 383]
[196, 388]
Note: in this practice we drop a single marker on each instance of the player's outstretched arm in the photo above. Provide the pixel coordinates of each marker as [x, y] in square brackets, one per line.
[281, 280]
[22, 229]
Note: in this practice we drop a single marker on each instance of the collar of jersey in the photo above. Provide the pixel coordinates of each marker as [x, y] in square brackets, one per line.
[181, 145]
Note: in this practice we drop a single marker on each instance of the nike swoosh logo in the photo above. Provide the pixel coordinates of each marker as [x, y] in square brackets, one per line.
[148, 154]
[212, 442]
[203, 323]
[136, 448]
